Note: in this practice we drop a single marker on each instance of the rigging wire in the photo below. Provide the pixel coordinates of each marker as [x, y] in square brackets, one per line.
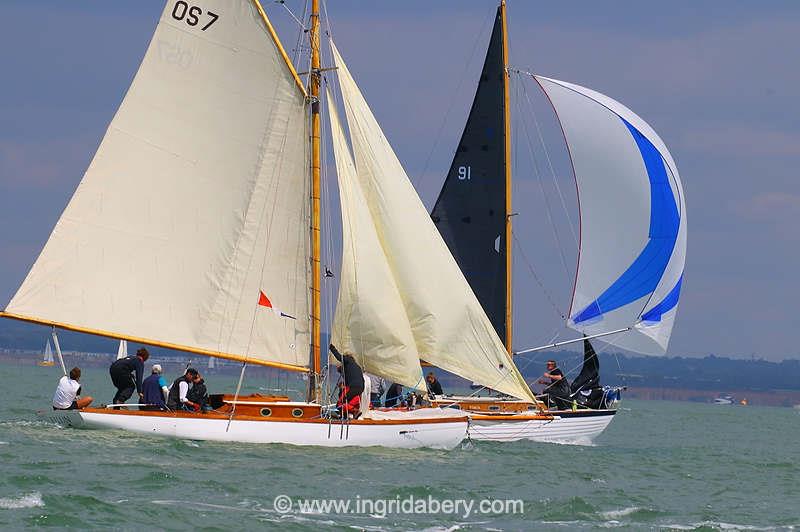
[302, 26]
[538, 280]
[451, 101]
[549, 162]
[539, 173]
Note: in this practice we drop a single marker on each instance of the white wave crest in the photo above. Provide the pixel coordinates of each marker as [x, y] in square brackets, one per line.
[31, 500]
[616, 514]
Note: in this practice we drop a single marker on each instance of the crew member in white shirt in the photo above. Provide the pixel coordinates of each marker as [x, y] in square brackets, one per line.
[69, 388]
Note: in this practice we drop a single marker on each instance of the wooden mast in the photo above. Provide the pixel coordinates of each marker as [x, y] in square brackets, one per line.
[313, 90]
[507, 151]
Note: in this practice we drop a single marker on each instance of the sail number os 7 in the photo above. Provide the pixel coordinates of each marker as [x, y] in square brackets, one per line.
[192, 14]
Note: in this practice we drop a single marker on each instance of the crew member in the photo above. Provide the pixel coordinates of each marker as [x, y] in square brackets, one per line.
[394, 396]
[199, 394]
[352, 383]
[434, 386]
[67, 392]
[122, 371]
[177, 398]
[155, 390]
[378, 385]
[557, 385]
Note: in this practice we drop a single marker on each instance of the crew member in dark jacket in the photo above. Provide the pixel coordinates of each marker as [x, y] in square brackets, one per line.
[199, 394]
[178, 397]
[155, 390]
[394, 396]
[352, 383]
[122, 371]
[557, 388]
[434, 386]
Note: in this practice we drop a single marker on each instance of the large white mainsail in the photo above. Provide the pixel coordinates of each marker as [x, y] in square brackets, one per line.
[370, 320]
[450, 328]
[196, 200]
[631, 256]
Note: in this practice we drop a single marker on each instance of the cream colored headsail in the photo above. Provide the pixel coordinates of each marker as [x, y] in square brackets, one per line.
[450, 328]
[196, 200]
[370, 320]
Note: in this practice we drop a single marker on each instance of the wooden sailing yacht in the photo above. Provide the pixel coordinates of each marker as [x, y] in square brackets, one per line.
[632, 231]
[190, 230]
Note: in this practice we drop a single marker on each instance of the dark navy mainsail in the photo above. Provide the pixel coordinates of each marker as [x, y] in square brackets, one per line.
[470, 212]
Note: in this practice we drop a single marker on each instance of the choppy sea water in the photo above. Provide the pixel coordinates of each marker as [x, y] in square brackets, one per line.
[659, 465]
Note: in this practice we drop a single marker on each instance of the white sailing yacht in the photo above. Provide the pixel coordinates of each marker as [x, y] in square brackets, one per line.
[47, 357]
[190, 230]
[632, 241]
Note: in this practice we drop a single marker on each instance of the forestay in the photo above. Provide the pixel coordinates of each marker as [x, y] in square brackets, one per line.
[370, 320]
[633, 220]
[197, 199]
[449, 326]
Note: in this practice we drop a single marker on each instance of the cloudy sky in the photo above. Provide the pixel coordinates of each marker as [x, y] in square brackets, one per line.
[716, 79]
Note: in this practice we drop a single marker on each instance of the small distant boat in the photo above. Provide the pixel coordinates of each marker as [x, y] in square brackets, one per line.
[47, 360]
[122, 350]
[212, 363]
[723, 400]
[743, 402]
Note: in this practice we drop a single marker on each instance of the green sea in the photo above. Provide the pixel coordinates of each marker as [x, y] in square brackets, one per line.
[658, 466]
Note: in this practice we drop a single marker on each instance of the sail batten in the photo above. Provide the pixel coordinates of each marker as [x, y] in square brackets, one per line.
[449, 327]
[196, 200]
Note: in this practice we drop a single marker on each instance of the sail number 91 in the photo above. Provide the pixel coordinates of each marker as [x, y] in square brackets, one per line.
[192, 14]
[464, 172]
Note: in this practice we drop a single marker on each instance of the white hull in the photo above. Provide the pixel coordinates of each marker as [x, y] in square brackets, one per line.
[571, 428]
[406, 435]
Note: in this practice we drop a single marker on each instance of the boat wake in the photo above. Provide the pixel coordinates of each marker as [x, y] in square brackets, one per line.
[203, 505]
[31, 500]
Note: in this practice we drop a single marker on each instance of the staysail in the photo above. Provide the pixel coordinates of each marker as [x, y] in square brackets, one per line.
[370, 320]
[450, 328]
[195, 202]
[470, 212]
[633, 220]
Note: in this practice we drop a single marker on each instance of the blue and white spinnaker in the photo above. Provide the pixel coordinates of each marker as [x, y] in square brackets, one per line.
[633, 220]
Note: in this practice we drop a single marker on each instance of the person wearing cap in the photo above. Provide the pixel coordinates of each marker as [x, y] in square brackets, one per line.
[177, 400]
[155, 390]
